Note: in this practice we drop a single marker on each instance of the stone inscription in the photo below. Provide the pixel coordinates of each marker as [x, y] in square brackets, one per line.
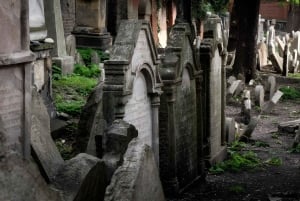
[138, 110]
[11, 104]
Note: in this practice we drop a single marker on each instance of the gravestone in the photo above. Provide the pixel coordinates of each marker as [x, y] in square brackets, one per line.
[271, 86]
[179, 130]
[259, 95]
[137, 178]
[44, 148]
[55, 29]
[132, 86]
[90, 30]
[15, 76]
[37, 25]
[262, 55]
[211, 62]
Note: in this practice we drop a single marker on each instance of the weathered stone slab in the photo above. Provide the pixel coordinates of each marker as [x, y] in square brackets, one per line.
[271, 86]
[230, 130]
[268, 106]
[71, 46]
[276, 60]
[289, 126]
[259, 96]
[43, 146]
[246, 134]
[71, 175]
[37, 25]
[235, 88]
[262, 55]
[230, 80]
[138, 177]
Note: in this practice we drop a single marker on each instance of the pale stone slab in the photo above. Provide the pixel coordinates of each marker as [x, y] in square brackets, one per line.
[230, 129]
[236, 88]
[43, 145]
[271, 86]
[259, 95]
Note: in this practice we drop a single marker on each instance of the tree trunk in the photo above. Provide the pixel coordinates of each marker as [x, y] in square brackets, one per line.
[293, 23]
[243, 37]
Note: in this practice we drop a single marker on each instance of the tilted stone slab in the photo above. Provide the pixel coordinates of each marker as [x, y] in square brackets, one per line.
[259, 96]
[138, 177]
[289, 126]
[42, 143]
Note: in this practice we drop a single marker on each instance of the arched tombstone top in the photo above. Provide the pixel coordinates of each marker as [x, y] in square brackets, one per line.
[133, 51]
[179, 54]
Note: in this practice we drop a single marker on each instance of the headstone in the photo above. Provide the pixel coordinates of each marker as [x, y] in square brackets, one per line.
[211, 63]
[295, 44]
[43, 145]
[235, 88]
[37, 25]
[262, 55]
[90, 30]
[271, 86]
[132, 85]
[118, 135]
[267, 108]
[246, 107]
[289, 126]
[71, 175]
[280, 46]
[259, 95]
[179, 130]
[55, 29]
[95, 59]
[230, 130]
[230, 80]
[276, 60]
[137, 178]
[71, 45]
[246, 134]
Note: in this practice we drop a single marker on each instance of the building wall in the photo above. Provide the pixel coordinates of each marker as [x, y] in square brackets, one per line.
[274, 10]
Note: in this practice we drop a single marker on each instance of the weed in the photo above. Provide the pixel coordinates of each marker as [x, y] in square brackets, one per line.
[65, 149]
[275, 136]
[90, 71]
[87, 52]
[290, 93]
[261, 144]
[295, 149]
[70, 93]
[275, 161]
[237, 189]
[294, 75]
[236, 146]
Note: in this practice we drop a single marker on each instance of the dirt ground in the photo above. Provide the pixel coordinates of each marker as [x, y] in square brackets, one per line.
[270, 183]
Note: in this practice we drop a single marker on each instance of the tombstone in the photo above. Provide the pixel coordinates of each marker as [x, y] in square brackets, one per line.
[230, 130]
[132, 86]
[271, 86]
[71, 45]
[15, 76]
[230, 80]
[55, 29]
[259, 95]
[180, 133]
[38, 29]
[138, 177]
[268, 106]
[90, 30]
[262, 55]
[295, 44]
[286, 60]
[43, 146]
[211, 62]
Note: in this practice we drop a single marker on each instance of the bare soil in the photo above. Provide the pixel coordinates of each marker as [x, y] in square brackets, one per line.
[270, 183]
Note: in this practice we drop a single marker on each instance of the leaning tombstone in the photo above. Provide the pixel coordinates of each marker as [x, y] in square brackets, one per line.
[268, 106]
[259, 95]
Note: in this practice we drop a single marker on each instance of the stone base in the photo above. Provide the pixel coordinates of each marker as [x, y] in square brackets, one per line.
[219, 157]
[96, 41]
[66, 63]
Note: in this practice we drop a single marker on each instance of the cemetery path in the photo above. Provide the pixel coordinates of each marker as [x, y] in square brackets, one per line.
[270, 183]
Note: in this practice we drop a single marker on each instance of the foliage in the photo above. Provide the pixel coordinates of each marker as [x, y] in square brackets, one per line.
[295, 149]
[294, 75]
[201, 7]
[87, 71]
[70, 93]
[86, 54]
[290, 93]
[237, 189]
[261, 144]
[64, 148]
[275, 161]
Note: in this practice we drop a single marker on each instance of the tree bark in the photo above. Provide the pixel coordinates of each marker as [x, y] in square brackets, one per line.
[293, 18]
[243, 37]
